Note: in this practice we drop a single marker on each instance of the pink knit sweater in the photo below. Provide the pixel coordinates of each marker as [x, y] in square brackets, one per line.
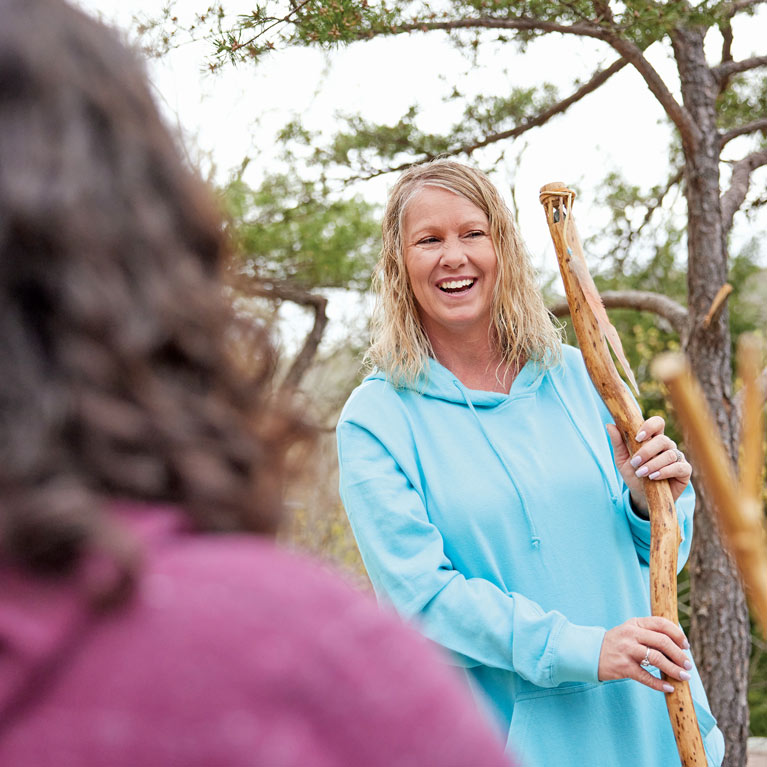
[232, 652]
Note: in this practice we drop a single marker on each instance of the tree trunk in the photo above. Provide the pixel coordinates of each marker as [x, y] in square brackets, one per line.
[720, 634]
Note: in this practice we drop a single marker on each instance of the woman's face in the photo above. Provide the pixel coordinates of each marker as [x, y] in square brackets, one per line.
[450, 262]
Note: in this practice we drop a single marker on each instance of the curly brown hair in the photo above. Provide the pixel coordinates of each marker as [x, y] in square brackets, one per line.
[116, 381]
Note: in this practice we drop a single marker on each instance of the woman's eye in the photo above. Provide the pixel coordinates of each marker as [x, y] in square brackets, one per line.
[427, 241]
[477, 233]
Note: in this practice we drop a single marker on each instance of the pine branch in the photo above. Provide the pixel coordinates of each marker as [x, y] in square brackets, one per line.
[751, 127]
[734, 197]
[604, 10]
[275, 22]
[728, 68]
[726, 30]
[670, 184]
[598, 79]
[645, 301]
[582, 29]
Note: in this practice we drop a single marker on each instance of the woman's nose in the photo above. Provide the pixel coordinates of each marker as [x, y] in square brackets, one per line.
[453, 254]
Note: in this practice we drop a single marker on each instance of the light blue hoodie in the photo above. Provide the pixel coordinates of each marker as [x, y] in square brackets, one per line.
[501, 526]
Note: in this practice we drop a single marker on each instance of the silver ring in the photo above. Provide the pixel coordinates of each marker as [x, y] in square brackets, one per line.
[645, 662]
[679, 455]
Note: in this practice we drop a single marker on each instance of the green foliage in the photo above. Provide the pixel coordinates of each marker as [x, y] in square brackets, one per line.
[365, 148]
[361, 142]
[492, 114]
[311, 22]
[744, 100]
[757, 693]
[290, 229]
[757, 688]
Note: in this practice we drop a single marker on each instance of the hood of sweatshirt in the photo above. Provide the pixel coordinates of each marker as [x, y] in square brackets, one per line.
[440, 383]
[43, 619]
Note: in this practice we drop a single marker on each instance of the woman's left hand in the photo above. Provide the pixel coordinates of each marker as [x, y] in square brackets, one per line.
[656, 458]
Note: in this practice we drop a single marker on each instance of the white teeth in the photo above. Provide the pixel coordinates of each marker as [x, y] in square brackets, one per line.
[456, 284]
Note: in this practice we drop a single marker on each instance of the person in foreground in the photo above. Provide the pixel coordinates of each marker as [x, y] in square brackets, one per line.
[493, 500]
[133, 631]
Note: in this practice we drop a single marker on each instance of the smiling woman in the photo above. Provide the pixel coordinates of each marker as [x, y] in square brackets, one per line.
[520, 326]
[481, 474]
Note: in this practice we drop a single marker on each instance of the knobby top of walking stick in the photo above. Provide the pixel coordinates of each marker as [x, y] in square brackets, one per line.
[557, 199]
[555, 189]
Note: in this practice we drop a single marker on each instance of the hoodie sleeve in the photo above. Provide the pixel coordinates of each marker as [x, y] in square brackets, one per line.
[404, 555]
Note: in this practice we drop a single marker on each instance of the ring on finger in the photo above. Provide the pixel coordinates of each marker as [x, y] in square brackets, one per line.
[679, 455]
[645, 662]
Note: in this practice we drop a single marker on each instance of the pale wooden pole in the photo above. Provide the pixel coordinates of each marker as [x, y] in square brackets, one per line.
[737, 502]
[557, 202]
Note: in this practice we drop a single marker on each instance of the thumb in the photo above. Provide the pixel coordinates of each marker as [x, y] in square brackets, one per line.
[619, 446]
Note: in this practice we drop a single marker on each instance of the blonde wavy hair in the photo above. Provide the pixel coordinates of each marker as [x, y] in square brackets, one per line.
[522, 328]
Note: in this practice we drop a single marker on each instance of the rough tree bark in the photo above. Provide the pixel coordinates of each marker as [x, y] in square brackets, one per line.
[719, 619]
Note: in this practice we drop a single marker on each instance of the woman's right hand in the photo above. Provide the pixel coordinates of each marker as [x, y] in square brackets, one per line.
[658, 640]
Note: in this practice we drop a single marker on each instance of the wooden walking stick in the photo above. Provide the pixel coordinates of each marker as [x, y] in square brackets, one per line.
[592, 328]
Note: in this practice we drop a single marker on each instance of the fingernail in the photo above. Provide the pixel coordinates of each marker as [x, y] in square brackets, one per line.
[686, 646]
[641, 436]
[668, 688]
[641, 472]
[688, 664]
[636, 460]
[655, 475]
[684, 676]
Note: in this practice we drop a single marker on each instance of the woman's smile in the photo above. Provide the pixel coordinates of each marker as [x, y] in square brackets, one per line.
[455, 287]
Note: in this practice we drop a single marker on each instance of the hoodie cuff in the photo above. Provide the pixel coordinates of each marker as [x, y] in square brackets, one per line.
[640, 527]
[577, 655]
